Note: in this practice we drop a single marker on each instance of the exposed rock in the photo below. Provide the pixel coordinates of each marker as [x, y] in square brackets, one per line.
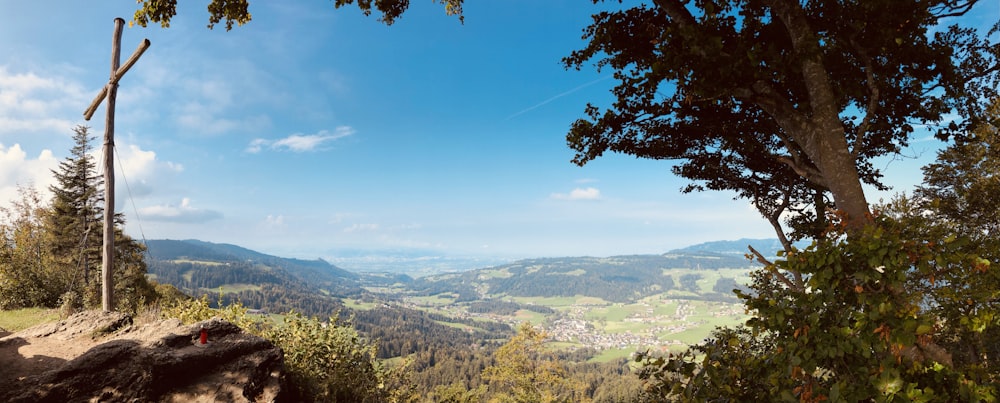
[97, 356]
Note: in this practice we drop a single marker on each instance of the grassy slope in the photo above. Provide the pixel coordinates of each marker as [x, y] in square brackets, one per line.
[21, 319]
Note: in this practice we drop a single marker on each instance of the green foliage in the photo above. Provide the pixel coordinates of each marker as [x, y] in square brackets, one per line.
[332, 362]
[458, 392]
[689, 282]
[525, 373]
[962, 184]
[731, 364]
[74, 221]
[162, 11]
[903, 310]
[883, 318]
[763, 98]
[325, 361]
[238, 11]
[25, 276]
[50, 252]
[194, 310]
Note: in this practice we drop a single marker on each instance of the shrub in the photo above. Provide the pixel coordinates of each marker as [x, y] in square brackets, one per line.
[324, 361]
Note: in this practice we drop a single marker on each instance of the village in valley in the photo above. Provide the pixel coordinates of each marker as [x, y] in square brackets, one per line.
[669, 321]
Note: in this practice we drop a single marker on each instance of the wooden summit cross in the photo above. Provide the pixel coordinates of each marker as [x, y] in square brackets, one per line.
[111, 91]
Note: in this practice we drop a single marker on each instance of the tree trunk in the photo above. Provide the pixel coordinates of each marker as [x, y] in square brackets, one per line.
[840, 173]
[823, 138]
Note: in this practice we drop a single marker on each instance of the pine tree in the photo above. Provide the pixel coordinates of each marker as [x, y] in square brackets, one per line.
[75, 231]
[75, 220]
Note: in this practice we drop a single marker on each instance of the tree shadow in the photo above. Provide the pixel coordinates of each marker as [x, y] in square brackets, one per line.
[233, 366]
[16, 369]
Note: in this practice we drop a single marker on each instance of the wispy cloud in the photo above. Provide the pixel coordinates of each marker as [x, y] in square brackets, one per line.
[588, 193]
[183, 213]
[560, 95]
[274, 220]
[362, 228]
[300, 142]
[30, 102]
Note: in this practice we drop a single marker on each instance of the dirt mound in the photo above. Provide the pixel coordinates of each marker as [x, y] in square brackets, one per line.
[99, 356]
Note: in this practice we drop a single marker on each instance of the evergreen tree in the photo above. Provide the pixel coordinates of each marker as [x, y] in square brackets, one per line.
[75, 220]
[526, 372]
[961, 185]
[73, 227]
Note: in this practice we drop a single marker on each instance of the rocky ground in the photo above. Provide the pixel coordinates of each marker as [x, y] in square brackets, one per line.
[99, 356]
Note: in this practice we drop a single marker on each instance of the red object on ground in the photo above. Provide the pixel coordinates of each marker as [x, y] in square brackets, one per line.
[204, 336]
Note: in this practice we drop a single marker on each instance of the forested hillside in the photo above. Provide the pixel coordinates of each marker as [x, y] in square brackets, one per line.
[318, 273]
[260, 281]
[616, 279]
[449, 327]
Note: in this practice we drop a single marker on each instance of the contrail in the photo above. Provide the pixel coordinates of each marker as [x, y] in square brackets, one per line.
[540, 104]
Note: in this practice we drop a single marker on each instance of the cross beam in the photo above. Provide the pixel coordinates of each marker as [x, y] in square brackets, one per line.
[117, 75]
[110, 91]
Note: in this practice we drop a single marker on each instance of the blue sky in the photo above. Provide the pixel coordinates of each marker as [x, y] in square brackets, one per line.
[312, 130]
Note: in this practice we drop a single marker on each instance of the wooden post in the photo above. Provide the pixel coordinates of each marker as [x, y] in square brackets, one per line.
[111, 92]
[108, 261]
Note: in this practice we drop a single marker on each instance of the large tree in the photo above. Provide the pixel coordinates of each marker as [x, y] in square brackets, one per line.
[75, 218]
[525, 372]
[906, 310]
[961, 185]
[779, 100]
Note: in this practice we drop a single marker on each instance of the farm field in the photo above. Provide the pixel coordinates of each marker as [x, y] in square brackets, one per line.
[668, 321]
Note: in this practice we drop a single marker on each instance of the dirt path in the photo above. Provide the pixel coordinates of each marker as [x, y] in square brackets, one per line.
[98, 356]
[48, 346]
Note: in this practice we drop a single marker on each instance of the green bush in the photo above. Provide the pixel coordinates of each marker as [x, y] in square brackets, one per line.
[880, 317]
[324, 361]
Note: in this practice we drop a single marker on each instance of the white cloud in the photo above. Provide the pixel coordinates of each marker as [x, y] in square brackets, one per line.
[137, 161]
[256, 145]
[34, 103]
[17, 169]
[588, 193]
[300, 142]
[141, 171]
[362, 228]
[183, 213]
[176, 167]
[274, 220]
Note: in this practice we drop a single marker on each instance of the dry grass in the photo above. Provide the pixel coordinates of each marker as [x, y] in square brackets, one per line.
[20, 319]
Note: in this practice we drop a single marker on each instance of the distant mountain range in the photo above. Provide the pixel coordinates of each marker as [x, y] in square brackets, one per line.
[323, 270]
[767, 247]
[203, 267]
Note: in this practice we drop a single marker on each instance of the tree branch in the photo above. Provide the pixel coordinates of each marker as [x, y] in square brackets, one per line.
[810, 174]
[677, 13]
[769, 266]
[814, 74]
[775, 219]
[873, 98]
